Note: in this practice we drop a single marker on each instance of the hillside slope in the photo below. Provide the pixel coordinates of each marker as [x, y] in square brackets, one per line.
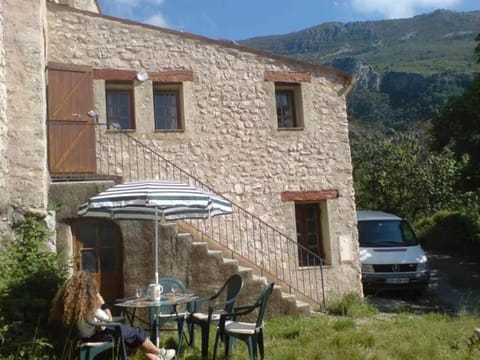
[431, 43]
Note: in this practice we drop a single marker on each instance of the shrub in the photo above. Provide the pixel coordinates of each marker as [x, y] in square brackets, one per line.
[351, 305]
[30, 274]
[450, 232]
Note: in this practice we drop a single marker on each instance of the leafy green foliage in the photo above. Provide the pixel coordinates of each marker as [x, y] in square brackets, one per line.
[458, 128]
[477, 49]
[451, 232]
[30, 274]
[399, 175]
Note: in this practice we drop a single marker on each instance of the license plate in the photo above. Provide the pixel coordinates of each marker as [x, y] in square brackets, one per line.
[397, 280]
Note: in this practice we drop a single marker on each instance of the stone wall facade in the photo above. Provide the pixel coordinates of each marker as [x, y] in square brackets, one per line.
[24, 174]
[230, 138]
[3, 128]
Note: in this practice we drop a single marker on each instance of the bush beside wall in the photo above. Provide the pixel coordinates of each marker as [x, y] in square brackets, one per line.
[452, 232]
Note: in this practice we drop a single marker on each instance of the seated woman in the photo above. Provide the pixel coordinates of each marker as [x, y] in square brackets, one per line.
[79, 303]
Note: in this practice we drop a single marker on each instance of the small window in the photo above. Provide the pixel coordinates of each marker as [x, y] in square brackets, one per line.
[288, 104]
[120, 106]
[309, 234]
[167, 102]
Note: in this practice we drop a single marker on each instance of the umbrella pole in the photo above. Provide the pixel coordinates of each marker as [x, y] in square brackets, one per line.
[157, 310]
[156, 245]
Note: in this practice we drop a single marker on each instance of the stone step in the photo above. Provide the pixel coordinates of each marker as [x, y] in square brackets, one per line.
[282, 302]
[246, 272]
[303, 307]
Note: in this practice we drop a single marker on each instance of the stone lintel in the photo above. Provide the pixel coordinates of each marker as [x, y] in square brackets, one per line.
[288, 76]
[159, 76]
[309, 195]
[172, 76]
[114, 74]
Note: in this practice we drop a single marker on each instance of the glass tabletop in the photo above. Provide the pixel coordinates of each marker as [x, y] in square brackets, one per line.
[165, 299]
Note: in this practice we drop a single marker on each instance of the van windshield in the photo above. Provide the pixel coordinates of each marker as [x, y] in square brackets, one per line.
[386, 233]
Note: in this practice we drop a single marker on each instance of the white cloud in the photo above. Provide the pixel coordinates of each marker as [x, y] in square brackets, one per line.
[145, 11]
[157, 20]
[394, 9]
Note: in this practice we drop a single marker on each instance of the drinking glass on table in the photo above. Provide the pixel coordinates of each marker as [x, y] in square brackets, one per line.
[139, 292]
[174, 289]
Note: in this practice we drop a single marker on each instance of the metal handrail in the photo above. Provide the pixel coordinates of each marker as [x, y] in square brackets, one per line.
[119, 155]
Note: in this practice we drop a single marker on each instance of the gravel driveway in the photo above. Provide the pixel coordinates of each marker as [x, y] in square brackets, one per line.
[454, 287]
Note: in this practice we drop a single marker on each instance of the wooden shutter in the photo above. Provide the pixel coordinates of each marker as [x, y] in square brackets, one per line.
[71, 131]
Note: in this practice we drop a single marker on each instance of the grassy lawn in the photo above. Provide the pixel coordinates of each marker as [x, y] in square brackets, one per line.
[363, 333]
[399, 336]
[350, 329]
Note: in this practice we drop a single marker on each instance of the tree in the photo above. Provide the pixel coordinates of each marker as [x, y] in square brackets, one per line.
[399, 175]
[477, 49]
[457, 127]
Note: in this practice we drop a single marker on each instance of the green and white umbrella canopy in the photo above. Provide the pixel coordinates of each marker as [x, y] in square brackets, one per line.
[150, 200]
[155, 200]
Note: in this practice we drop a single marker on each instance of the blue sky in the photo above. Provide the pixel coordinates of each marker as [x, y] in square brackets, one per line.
[242, 19]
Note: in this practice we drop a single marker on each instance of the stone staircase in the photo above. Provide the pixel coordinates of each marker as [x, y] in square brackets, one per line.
[208, 269]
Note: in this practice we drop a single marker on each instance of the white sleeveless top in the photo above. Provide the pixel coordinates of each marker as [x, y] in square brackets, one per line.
[87, 328]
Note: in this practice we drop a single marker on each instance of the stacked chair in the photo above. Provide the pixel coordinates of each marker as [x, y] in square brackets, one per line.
[207, 310]
[230, 328]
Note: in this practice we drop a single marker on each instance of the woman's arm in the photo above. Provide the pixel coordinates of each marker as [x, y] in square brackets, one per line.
[103, 307]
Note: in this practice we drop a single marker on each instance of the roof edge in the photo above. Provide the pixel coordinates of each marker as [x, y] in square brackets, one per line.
[346, 78]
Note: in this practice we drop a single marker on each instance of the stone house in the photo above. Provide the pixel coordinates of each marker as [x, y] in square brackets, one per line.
[87, 100]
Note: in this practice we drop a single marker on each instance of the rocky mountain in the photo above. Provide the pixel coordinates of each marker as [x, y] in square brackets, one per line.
[405, 69]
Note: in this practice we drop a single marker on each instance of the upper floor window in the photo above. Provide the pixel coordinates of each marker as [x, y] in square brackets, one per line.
[120, 104]
[288, 104]
[167, 102]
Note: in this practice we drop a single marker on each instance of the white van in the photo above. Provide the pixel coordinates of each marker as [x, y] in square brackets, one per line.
[390, 254]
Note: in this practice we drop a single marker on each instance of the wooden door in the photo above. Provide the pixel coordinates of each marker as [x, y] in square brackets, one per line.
[98, 250]
[71, 131]
[309, 233]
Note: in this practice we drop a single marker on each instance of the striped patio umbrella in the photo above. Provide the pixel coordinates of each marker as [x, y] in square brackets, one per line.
[155, 200]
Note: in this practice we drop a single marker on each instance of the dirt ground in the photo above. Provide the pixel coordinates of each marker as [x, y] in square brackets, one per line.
[454, 287]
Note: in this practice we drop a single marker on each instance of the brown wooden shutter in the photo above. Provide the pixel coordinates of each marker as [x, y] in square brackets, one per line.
[71, 131]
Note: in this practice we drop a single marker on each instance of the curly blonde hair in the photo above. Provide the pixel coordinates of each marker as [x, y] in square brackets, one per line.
[76, 300]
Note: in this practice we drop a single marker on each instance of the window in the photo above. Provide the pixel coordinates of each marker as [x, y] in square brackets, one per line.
[120, 106]
[309, 234]
[98, 250]
[288, 103]
[167, 100]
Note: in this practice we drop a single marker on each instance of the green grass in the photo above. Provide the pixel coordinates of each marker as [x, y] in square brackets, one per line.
[365, 335]
[362, 333]
[402, 336]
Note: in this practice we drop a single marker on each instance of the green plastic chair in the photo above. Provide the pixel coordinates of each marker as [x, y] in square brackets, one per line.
[88, 350]
[249, 332]
[221, 302]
